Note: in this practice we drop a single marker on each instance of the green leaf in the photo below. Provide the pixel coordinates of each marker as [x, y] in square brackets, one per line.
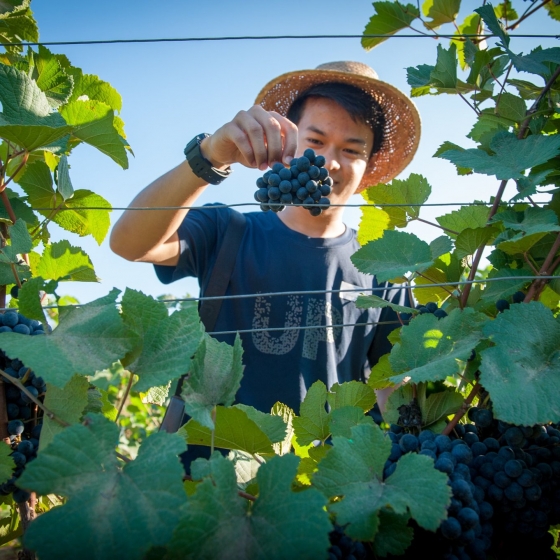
[449, 146]
[395, 254]
[466, 217]
[20, 243]
[390, 17]
[344, 418]
[432, 349]
[469, 240]
[20, 207]
[279, 524]
[156, 395]
[29, 299]
[166, 342]
[272, 425]
[61, 261]
[424, 293]
[97, 90]
[523, 379]
[351, 393]
[214, 378]
[466, 48]
[380, 374]
[51, 78]
[394, 535]
[511, 107]
[313, 420]
[440, 246]
[93, 124]
[18, 26]
[533, 220]
[63, 178]
[67, 404]
[402, 395]
[373, 224]
[512, 156]
[445, 72]
[31, 137]
[233, 430]
[487, 13]
[373, 301]
[93, 483]
[287, 415]
[505, 11]
[484, 129]
[415, 190]
[440, 405]
[7, 464]
[7, 274]
[504, 288]
[88, 338]
[441, 11]
[37, 183]
[519, 243]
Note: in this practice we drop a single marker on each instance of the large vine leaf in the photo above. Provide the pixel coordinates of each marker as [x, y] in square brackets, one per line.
[51, 78]
[64, 184]
[280, 524]
[62, 261]
[67, 404]
[440, 405]
[390, 17]
[88, 338]
[441, 11]
[353, 470]
[502, 289]
[31, 137]
[351, 393]
[93, 123]
[373, 223]
[395, 254]
[214, 378]
[432, 349]
[469, 240]
[457, 221]
[96, 89]
[532, 220]
[522, 371]
[7, 464]
[233, 430]
[343, 419]
[394, 535]
[166, 342]
[20, 242]
[97, 490]
[313, 420]
[365, 302]
[271, 424]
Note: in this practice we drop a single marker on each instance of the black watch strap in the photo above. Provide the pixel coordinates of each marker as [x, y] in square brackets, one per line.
[200, 165]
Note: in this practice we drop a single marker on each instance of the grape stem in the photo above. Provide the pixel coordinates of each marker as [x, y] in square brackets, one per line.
[438, 226]
[33, 398]
[527, 14]
[538, 284]
[27, 514]
[125, 396]
[213, 430]
[434, 282]
[464, 407]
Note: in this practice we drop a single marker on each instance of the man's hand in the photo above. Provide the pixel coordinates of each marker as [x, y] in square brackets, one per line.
[255, 138]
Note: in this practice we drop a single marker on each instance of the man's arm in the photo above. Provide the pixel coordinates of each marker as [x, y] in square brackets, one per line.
[254, 138]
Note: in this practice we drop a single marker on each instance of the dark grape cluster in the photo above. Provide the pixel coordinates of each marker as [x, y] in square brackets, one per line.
[503, 304]
[505, 483]
[432, 307]
[344, 548]
[24, 426]
[304, 183]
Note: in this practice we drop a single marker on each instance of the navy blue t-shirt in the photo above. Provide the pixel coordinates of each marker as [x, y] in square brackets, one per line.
[282, 365]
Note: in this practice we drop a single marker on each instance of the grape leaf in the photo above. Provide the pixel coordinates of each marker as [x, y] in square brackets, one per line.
[37, 183]
[214, 378]
[233, 430]
[67, 404]
[353, 469]
[519, 243]
[313, 421]
[51, 78]
[7, 464]
[393, 255]
[534, 220]
[447, 146]
[166, 342]
[365, 302]
[466, 217]
[62, 261]
[489, 16]
[287, 415]
[424, 293]
[511, 107]
[440, 246]
[63, 178]
[279, 524]
[390, 17]
[468, 27]
[351, 393]
[272, 425]
[512, 156]
[380, 374]
[93, 483]
[523, 379]
[439, 405]
[31, 137]
[432, 349]
[93, 123]
[96, 89]
[469, 240]
[394, 535]
[88, 338]
[504, 288]
[30, 301]
[485, 128]
[441, 11]
[505, 11]
[402, 394]
[156, 395]
[414, 190]
[373, 224]
[20, 242]
[344, 418]
[444, 75]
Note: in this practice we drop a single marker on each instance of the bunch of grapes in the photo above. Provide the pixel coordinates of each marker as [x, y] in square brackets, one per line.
[431, 307]
[305, 183]
[503, 304]
[344, 548]
[24, 426]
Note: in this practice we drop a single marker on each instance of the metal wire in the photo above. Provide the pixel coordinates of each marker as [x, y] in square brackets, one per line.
[277, 37]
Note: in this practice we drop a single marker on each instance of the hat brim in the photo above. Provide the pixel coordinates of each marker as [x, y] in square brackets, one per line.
[402, 120]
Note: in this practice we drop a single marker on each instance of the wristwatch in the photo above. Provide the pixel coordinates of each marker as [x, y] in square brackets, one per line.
[200, 165]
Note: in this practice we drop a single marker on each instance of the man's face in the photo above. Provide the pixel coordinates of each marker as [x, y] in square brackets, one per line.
[346, 144]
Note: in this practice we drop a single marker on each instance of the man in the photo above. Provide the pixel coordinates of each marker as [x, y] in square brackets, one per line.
[368, 132]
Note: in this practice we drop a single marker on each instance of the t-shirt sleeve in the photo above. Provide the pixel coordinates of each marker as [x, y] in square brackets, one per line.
[200, 235]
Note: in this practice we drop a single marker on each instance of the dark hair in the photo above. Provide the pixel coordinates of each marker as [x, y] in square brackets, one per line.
[360, 106]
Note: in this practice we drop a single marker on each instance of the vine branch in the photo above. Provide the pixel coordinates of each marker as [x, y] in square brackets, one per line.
[125, 396]
[528, 13]
[464, 407]
[549, 264]
[438, 226]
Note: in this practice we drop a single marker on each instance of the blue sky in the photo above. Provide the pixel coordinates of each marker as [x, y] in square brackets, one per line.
[173, 91]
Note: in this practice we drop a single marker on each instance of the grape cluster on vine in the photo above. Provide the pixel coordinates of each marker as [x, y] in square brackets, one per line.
[306, 182]
[24, 425]
[432, 307]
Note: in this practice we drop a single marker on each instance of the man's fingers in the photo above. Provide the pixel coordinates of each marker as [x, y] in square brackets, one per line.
[289, 133]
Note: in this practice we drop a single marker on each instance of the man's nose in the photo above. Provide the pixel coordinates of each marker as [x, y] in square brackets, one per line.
[332, 160]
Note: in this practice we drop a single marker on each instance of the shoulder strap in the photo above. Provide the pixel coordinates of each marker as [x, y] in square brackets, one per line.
[223, 269]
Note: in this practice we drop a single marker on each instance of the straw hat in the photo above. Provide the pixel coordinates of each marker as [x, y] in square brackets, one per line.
[402, 121]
